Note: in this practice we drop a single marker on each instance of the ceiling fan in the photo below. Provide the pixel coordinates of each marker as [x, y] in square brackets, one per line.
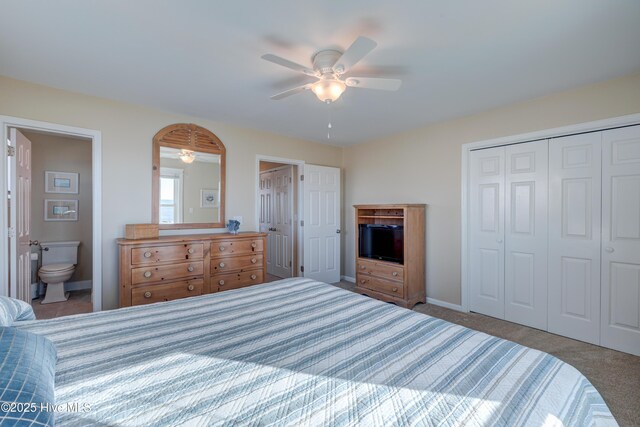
[330, 67]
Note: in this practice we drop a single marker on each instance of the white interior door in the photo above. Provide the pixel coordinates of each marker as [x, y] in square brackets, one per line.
[526, 234]
[282, 234]
[322, 223]
[574, 236]
[266, 216]
[621, 239]
[486, 248]
[21, 216]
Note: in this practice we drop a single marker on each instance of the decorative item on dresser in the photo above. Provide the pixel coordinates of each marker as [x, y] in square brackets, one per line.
[172, 267]
[390, 252]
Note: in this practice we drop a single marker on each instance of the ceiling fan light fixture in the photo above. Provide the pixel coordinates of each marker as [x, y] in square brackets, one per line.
[328, 90]
[187, 156]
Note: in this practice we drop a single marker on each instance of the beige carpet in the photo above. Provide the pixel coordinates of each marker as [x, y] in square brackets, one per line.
[614, 374]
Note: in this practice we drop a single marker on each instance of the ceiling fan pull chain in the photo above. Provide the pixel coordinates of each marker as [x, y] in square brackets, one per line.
[329, 120]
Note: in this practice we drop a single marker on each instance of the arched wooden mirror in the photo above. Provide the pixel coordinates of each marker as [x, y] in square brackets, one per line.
[188, 178]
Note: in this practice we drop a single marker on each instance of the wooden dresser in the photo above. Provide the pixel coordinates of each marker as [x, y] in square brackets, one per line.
[172, 267]
[399, 283]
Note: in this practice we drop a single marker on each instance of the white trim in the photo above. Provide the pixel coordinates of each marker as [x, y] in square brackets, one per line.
[96, 170]
[445, 304]
[597, 125]
[348, 279]
[300, 171]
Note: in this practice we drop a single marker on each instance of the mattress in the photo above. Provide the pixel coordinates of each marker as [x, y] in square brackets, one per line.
[300, 352]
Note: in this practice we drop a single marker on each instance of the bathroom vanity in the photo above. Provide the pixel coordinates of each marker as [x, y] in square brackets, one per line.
[180, 266]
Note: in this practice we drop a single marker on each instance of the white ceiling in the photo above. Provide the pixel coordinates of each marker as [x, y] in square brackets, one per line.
[203, 57]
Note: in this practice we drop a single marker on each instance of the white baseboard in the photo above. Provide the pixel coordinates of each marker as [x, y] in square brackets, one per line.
[69, 286]
[348, 279]
[444, 304]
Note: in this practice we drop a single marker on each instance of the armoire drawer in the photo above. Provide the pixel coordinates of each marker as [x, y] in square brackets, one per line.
[382, 270]
[225, 282]
[158, 254]
[166, 272]
[236, 247]
[380, 285]
[166, 291]
[243, 262]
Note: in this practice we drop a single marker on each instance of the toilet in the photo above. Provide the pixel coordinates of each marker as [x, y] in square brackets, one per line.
[59, 261]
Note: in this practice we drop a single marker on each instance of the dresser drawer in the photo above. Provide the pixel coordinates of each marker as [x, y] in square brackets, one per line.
[166, 272]
[236, 280]
[166, 292]
[384, 271]
[244, 262]
[380, 285]
[236, 247]
[157, 254]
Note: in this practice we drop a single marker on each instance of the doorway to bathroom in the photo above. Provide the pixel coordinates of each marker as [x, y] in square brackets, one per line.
[51, 217]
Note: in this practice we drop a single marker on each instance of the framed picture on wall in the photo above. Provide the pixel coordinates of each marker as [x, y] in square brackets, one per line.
[208, 198]
[60, 210]
[60, 182]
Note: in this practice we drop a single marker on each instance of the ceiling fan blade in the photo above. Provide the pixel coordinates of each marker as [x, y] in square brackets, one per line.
[291, 92]
[289, 64]
[373, 83]
[358, 50]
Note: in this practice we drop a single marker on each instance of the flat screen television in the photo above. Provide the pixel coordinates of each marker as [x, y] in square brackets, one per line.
[383, 242]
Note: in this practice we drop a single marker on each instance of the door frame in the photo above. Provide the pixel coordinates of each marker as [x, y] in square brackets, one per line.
[299, 229]
[592, 126]
[95, 136]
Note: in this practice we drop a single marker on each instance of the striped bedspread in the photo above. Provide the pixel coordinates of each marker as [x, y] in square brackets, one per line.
[298, 352]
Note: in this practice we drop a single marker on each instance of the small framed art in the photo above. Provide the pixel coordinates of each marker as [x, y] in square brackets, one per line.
[208, 198]
[60, 182]
[60, 210]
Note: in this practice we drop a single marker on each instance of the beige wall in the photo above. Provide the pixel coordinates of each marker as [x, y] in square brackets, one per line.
[63, 154]
[423, 166]
[127, 131]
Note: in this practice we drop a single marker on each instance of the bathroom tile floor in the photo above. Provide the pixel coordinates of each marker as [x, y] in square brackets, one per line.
[78, 302]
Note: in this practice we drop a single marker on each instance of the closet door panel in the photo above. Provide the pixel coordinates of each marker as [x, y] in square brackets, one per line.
[574, 236]
[621, 239]
[487, 231]
[526, 234]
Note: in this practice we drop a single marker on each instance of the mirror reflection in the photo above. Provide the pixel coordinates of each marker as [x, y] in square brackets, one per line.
[189, 186]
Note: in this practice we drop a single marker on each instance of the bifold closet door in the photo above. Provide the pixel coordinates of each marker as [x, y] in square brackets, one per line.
[486, 249]
[621, 239]
[574, 236]
[526, 192]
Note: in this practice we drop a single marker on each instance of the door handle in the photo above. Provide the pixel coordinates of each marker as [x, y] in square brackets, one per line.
[499, 241]
[609, 249]
[338, 231]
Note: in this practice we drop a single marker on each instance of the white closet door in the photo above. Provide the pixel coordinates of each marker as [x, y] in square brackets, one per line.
[526, 234]
[282, 222]
[266, 217]
[486, 251]
[621, 239]
[574, 236]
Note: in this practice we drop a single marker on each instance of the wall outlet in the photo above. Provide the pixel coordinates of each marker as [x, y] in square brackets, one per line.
[237, 218]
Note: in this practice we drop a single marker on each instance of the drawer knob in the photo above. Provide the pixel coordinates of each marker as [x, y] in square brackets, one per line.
[363, 281]
[147, 294]
[253, 244]
[190, 250]
[147, 254]
[394, 274]
[221, 248]
[190, 268]
[253, 260]
[190, 287]
[221, 265]
[395, 289]
[221, 283]
[147, 274]
[253, 277]
[362, 267]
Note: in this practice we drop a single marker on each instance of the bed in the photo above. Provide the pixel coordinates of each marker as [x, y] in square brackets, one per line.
[301, 352]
